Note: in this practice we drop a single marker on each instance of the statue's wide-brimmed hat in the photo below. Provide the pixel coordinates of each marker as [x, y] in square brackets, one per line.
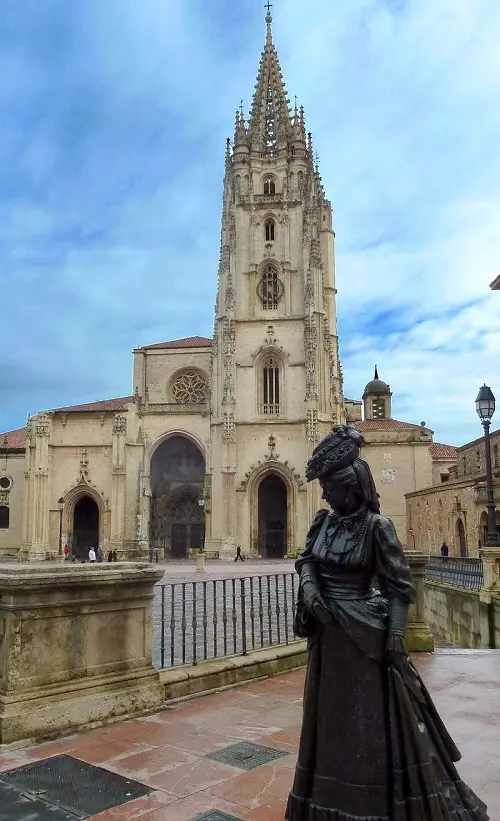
[335, 452]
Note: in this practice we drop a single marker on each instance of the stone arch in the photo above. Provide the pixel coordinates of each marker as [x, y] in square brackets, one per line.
[270, 381]
[176, 477]
[284, 473]
[168, 435]
[269, 184]
[72, 497]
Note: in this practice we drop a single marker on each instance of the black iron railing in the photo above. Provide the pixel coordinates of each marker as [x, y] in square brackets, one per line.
[466, 573]
[200, 620]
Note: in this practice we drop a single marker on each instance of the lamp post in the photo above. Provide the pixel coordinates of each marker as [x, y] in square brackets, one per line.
[201, 504]
[485, 408]
[60, 505]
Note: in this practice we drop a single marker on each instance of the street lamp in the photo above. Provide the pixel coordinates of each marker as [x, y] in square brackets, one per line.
[201, 504]
[60, 505]
[485, 408]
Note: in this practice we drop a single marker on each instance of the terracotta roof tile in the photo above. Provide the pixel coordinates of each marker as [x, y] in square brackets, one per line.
[385, 424]
[188, 342]
[439, 451]
[13, 439]
[103, 405]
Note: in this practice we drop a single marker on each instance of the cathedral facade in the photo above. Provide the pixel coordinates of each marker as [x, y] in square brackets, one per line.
[209, 449]
[211, 444]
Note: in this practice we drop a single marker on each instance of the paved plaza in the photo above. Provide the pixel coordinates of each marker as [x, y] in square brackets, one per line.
[171, 752]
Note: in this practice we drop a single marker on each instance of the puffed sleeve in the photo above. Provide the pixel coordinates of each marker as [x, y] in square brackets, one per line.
[391, 565]
[312, 536]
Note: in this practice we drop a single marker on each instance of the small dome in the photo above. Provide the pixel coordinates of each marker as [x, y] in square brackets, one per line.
[376, 386]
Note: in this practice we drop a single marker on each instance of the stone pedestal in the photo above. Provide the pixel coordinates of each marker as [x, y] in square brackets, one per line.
[418, 637]
[491, 568]
[75, 646]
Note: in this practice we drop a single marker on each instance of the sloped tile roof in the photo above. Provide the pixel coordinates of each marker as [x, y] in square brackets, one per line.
[103, 405]
[439, 451]
[385, 424]
[188, 342]
[13, 439]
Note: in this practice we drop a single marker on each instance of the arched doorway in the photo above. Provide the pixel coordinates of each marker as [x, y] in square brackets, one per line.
[85, 527]
[462, 542]
[177, 475]
[272, 516]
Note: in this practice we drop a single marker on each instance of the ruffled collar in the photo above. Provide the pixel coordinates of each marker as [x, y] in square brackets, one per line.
[350, 522]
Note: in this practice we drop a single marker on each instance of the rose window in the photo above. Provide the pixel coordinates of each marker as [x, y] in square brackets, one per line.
[190, 388]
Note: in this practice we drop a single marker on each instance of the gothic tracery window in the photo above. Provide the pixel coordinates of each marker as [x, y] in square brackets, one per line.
[270, 229]
[190, 388]
[271, 386]
[270, 288]
[269, 186]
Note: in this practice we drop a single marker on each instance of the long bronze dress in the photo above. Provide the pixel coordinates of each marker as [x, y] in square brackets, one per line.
[372, 746]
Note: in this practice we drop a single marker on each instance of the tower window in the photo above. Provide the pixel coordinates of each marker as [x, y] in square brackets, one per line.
[378, 408]
[4, 517]
[495, 456]
[271, 387]
[270, 288]
[269, 186]
[270, 229]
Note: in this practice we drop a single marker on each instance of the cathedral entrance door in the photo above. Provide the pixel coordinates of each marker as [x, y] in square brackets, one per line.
[179, 541]
[177, 477]
[85, 527]
[272, 517]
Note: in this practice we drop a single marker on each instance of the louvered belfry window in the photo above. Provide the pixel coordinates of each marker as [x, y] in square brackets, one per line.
[271, 387]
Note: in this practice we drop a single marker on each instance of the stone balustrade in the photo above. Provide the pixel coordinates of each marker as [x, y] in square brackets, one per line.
[75, 646]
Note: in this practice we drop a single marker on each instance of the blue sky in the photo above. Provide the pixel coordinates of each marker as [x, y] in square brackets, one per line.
[114, 118]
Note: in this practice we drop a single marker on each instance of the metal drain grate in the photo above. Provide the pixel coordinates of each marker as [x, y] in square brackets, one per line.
[246, 755]
[73, 785]
[17, 806]
[216, 815]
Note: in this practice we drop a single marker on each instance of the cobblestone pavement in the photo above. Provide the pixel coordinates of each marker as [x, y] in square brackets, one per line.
[169, 751]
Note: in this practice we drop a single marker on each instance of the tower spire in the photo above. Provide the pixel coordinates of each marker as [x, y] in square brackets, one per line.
[270, 124]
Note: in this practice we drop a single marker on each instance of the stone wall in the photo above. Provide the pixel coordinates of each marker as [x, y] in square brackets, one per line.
[462, 616]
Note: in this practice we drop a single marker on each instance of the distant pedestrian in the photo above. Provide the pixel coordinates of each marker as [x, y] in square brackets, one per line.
[238, 555]
[114, 556]
[110, 556]
[99, 554]
[67, 551]
[444, 550]
[92, 556]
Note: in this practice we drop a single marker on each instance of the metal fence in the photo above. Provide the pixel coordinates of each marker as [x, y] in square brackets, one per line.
[200, 620]
[466, 573]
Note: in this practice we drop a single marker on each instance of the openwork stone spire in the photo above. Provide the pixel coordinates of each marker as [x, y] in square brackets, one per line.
[270, 123]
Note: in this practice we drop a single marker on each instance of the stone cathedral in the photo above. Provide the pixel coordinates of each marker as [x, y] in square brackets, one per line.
[211, 445]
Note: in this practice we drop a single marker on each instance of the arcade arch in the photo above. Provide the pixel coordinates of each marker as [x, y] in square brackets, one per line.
[177, 473]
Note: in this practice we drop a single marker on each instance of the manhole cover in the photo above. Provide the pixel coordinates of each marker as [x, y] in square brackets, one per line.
[17, 806]
[215, 815]
[73, 785]
[246, 755]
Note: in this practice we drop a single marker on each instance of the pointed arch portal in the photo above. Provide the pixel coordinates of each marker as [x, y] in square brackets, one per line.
[177, 476]
[272, 516]
[85, 527]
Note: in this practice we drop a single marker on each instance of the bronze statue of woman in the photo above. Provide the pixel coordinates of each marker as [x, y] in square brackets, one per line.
[372, 746]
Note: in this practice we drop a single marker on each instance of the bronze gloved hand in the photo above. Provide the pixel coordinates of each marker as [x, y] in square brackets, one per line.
[396, 654]
[311, 596]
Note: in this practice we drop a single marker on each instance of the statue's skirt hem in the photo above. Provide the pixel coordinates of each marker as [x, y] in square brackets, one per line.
[373, 746]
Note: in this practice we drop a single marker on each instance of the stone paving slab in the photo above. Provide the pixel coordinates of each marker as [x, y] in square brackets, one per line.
[168, 751]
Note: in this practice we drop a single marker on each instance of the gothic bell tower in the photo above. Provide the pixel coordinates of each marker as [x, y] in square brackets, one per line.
[276, 382]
